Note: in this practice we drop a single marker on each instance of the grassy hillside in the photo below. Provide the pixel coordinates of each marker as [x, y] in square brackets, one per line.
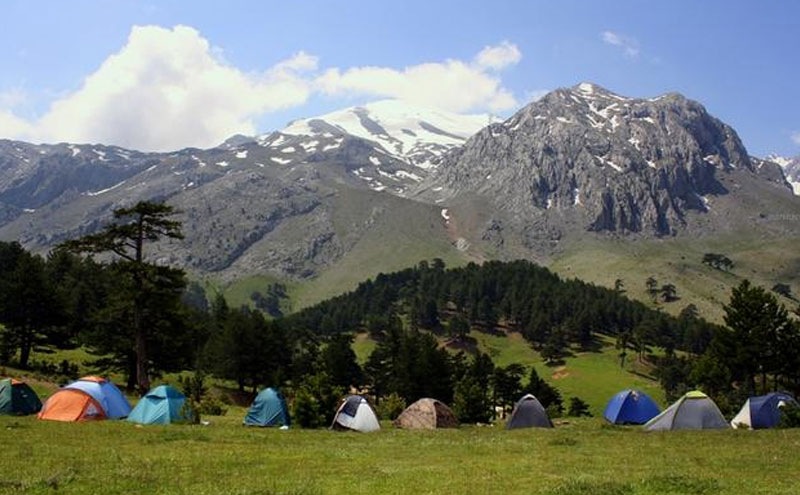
[593, 376]
[578, 457]
[400, 234]
[679, 261]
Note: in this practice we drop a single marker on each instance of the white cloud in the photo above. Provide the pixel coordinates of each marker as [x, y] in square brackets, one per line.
[498, 57]
[13, 126]
[166, 89]
[630, 47]
[452, 85]
[796, 137]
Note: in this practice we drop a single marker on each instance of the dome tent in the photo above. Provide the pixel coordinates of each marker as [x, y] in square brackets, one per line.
[528, 413]
[631, 407]
[694, 411]
[427, 414]
[18, 398]
[763, 411]
[110, 398]
[70, 404]
[356, 414]
[268, 409]
[162, 405]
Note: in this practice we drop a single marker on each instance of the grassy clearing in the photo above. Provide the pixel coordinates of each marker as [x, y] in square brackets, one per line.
[582, 457]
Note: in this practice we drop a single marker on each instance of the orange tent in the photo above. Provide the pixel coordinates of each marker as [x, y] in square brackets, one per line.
[71, 405]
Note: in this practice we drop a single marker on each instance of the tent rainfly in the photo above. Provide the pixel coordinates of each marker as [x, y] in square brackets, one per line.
[631, 407]
[427, 414]
[162, 405]
[694, 411]
[113, 402]
[528, 413]
[268, 409]
[18, 398]
[763, 411]
[69, 404]
[356, 414]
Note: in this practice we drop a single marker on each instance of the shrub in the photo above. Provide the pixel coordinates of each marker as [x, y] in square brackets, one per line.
[391, 407]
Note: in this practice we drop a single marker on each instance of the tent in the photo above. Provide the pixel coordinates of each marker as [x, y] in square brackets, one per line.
[631, 407]
[17, 397]
[427, 414]
[113, 402]
[355, 413]
[763, 411]
[71, 405]
[528, 413]
[268, 409]
[694, 411]
[162, 405]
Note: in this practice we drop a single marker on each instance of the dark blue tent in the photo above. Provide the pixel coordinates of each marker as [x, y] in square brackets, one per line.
[269, 409]
[763, 411]
[631, 407]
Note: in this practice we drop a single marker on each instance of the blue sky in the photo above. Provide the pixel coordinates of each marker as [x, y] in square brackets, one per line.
[162, 75]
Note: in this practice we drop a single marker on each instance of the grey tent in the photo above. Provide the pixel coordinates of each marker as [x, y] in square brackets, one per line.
[693, 411]
[528, 413]
[427, 414]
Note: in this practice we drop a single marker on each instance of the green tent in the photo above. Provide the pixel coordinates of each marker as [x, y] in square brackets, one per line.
[17, 397]
[269, 409]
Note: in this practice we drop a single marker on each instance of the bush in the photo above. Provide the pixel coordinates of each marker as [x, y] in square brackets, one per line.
[578, 408]
[391, 407]
[790, 416]
[212, 406]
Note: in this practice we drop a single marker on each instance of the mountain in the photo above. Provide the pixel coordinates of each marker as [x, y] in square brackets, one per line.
[791, 169]
[329, 201]
[585, 159]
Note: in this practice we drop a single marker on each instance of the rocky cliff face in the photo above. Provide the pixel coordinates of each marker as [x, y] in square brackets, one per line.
[613, 163]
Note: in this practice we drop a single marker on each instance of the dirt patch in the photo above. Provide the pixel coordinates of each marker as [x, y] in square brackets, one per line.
[560, 372]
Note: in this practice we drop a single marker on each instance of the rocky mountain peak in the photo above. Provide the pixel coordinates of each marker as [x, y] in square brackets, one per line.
[614, 163]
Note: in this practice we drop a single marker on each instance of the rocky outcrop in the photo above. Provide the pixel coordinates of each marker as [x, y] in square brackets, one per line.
[619, 164]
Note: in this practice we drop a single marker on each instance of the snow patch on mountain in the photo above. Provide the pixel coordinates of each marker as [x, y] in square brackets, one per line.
[791, 169]
[415, 135]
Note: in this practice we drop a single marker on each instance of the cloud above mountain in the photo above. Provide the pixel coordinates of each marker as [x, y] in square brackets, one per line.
[167, 89]
[628, 45]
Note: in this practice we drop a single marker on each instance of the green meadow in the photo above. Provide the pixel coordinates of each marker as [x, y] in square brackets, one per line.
[577, 457]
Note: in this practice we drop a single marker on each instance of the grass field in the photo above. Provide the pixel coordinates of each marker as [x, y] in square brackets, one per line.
[577, 457]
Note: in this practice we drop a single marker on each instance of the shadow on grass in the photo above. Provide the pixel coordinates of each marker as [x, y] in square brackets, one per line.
[657, 484]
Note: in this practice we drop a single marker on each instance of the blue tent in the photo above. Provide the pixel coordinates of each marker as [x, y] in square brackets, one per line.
[268, 409]
[763, 411]
[631, 407]
[161, 406]
[113, 402]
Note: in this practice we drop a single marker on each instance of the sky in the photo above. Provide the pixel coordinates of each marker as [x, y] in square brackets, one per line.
[168, 74]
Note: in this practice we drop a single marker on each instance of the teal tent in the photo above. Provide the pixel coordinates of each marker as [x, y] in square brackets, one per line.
[268, 409]
[17, 397]
[161, 406]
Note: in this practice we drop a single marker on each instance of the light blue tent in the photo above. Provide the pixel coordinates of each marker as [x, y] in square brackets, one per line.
[105, 393]
[161, 406]
[631, 407]
[268, 409]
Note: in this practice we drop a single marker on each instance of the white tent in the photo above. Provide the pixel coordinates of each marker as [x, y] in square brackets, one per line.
[356, 414]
